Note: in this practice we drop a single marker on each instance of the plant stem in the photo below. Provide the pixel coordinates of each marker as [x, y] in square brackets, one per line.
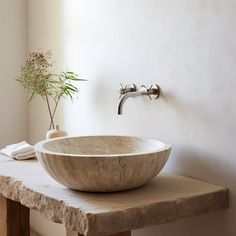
[55, 108]
[50, 114]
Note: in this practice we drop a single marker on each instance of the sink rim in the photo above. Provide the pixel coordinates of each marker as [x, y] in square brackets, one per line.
[39, 147]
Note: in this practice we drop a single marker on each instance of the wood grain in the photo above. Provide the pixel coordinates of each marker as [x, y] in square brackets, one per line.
[14, 218]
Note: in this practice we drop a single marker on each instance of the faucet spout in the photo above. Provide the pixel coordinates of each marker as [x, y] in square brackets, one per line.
[142, 91]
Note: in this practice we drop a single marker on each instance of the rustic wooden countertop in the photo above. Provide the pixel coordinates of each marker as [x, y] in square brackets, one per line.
[167, 198]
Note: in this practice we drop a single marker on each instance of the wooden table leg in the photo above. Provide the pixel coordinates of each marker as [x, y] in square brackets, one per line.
[14, 218]
[72, 233]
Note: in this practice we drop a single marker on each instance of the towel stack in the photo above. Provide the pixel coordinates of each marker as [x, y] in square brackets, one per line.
[19, 151]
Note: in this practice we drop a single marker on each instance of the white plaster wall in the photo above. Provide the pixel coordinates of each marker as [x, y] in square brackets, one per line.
[13, 104]
[188, 47]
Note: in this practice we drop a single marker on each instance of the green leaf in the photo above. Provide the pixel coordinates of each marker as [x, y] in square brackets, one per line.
[36, 77]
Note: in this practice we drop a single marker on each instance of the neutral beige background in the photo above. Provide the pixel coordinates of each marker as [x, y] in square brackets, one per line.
[13, 105]
[187, 46]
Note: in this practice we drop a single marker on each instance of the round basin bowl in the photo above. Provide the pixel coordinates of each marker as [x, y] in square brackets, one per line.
[102, 163]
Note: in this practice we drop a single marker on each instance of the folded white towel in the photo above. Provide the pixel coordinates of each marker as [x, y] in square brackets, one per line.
[19, 151]
[25, 155]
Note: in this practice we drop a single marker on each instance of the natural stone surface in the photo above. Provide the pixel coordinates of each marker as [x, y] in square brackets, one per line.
[103, 163]
[164, 199]
[33, 233]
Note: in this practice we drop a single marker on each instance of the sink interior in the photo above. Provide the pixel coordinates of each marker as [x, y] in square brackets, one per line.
[103, 145]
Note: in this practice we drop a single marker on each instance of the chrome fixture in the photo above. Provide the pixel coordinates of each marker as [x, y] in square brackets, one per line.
[127, 88]
[131, 91]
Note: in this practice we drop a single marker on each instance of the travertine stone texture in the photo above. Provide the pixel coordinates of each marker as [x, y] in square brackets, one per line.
[103, 163]
[33, 233]
[166, 198]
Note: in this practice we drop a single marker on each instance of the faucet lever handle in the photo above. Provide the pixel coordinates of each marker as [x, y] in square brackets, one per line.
[122, 87]
[122, 90]
[127, 89]
[150, 97]
[147, 91]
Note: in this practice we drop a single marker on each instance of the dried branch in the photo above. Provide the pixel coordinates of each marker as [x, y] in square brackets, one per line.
[37, 78]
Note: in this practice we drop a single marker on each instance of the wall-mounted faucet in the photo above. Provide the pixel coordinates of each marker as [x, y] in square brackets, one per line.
[132, 91]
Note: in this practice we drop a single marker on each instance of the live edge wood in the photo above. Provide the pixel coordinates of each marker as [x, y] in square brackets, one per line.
[165, 199]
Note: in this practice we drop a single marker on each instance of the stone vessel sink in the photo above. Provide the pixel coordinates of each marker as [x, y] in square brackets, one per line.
[102, 163]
